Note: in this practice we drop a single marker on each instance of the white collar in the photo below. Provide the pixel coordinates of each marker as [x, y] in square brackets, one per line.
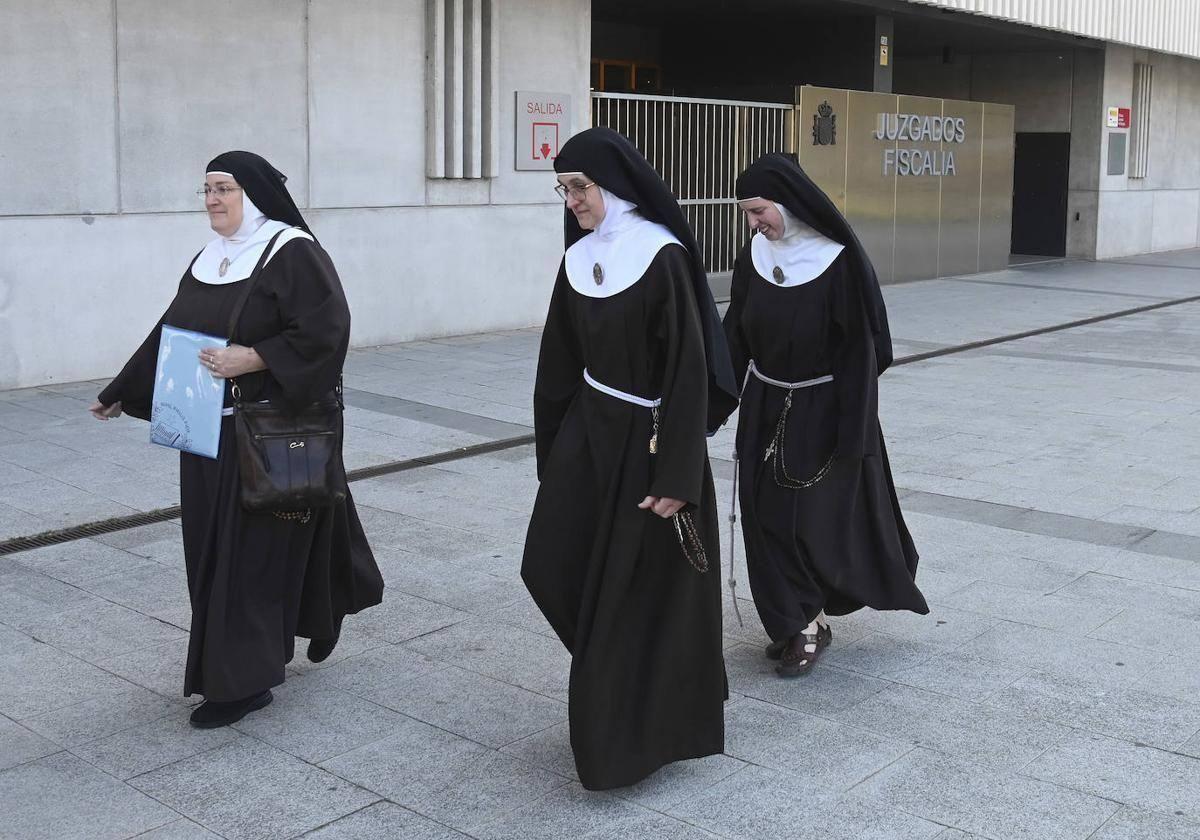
[800, 255]
[243, 248]
[618, 252]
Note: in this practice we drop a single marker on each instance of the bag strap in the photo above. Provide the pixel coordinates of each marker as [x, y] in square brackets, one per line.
[236, 315]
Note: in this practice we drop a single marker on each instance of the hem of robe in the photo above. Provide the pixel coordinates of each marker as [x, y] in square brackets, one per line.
[650, 768]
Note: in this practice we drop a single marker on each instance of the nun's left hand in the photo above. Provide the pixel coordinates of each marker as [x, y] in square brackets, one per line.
[664, 507]
[232, 361]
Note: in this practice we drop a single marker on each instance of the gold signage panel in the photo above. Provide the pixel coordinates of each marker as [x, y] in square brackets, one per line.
[821, 135]
[958, 239]
[918, 196]
[871, 194]
[995, 218]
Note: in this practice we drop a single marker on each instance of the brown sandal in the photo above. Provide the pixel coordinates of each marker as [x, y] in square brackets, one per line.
[802, 652]
[775, 649]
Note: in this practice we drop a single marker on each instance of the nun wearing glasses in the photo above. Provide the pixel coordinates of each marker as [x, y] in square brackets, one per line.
[256, 580]
[808, 336]
[621, 554]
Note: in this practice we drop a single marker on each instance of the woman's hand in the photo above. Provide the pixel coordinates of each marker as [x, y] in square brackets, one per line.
[105, 412]
[664, 507]
[232, 361]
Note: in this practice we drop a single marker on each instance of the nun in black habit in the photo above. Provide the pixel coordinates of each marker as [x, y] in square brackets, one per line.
[256, 580]
[808, 335]
[621, 554]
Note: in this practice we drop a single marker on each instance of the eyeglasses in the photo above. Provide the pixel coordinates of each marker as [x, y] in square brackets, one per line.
[220, 190]
[575, 191]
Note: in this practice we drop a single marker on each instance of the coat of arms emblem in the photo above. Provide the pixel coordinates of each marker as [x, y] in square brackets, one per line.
[824, 131]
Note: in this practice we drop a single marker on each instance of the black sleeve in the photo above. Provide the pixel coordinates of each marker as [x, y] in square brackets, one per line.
[559, 371]
[133, 387]
[682, 446]
[735, 337]
[855, 377]
[306, 356]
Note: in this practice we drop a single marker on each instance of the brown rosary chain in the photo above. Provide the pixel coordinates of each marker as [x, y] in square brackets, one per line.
[301, 516]
[689, 541]
[774, 453]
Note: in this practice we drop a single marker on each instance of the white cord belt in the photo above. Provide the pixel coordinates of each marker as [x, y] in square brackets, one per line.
[787, 386]
[621, 395]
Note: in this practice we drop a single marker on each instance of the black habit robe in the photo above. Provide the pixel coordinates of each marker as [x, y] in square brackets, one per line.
[256, 581]
[841, 543]
[643, 626]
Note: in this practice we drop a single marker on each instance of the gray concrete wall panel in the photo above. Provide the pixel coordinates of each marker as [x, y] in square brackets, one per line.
[543, 46]
[199, 78]
[57, 114]
[367, 102]
[1037, 84]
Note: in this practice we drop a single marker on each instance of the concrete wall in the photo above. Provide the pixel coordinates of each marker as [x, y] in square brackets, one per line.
[1160, 212]
[1036, 84]
[110, 111]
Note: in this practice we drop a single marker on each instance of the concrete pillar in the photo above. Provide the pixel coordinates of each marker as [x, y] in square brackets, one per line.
[884, 55]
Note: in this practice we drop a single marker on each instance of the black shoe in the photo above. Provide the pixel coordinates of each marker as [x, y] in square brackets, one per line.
[211, 714]
[797, 659]
[319, 649]
[776, 649]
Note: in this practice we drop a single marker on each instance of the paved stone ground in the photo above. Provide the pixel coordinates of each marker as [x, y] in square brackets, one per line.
[1052, 484]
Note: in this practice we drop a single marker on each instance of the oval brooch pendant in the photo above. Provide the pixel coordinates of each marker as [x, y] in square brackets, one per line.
[597, 274]
[223, 267]
[778, 275]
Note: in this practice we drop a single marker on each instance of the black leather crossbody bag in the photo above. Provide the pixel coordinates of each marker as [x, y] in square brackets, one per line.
[289, 461]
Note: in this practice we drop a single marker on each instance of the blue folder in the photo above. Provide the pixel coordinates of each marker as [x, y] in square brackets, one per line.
[186, 412]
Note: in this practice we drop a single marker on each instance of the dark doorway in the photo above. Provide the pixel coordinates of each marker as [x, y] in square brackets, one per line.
[1039, 216]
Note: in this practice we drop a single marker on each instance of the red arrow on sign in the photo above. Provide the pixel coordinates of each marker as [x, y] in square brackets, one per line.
[546, 150]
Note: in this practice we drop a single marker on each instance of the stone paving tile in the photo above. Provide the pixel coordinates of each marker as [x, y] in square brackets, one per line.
[879, 655]
[149, 745]
[375, 674]
[179, 830]
[1140, 776]
[459, 586]
[946, 627]
[980, 801]
[159, 668]
[757, 802]
[454, 781]
[961, 675]
[476, 707]
[823, 692]
[1151, 630]
[502, 652]
[574, 812]
[26, 595]
[402, 617]
[248, 789]
[549, 749]
[384, 821]
[19, 745]
[788, 740]
[993, 737]
[316, 724]
[1083, 659]
[1132, 824]
[83, 561]
[98, 717]
[41, 679]
[1024, 607]
[153, 590]
[675, 783]
[1135, 595]
[61, 797]
[99, 630]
